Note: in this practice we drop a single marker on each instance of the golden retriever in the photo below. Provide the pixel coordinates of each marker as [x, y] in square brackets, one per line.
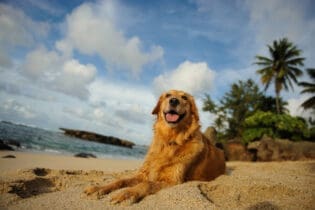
[179, 152]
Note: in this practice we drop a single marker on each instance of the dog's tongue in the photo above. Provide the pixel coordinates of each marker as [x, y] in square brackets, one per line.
[172, 117]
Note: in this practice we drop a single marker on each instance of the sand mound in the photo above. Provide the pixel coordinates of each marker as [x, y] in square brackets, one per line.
[272, 185]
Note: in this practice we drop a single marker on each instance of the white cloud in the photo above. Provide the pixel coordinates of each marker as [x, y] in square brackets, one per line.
[120, 94]
[194, 78]
[16, 108]
[16, 85]
[73, 68]
[17, 30]
[41, 64]
[5, 60]
[134, 113]
[92, 30]
[75, 78]
[88, 113]
[128, 108]
[53, 71]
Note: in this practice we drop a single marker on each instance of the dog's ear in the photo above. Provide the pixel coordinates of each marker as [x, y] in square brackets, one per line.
[194, 109]
[157, 106]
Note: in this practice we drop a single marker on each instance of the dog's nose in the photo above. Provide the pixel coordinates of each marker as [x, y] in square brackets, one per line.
[174, 102]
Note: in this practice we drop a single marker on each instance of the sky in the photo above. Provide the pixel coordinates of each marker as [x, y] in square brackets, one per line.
[100, 65]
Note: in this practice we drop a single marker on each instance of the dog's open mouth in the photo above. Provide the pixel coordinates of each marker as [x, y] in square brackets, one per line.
[173, 117]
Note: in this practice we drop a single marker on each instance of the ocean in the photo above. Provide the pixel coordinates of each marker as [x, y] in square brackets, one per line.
[33, 139]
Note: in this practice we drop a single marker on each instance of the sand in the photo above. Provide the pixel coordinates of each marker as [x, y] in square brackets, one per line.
[41, 181]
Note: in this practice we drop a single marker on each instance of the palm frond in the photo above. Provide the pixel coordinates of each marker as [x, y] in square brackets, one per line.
[296, 61]
[309, 103]
[307, 84]
[292, 76]
[288, 79]
[296, 71]
[308, 90]
[292, 52]
[311, 73]
[262, 58]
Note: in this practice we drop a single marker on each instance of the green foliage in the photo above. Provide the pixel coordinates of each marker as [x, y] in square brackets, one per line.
[268, 104]
[234, 107]
[312, 134]
[239, 103]
[274, 125]
[252, 134]
[208, 104]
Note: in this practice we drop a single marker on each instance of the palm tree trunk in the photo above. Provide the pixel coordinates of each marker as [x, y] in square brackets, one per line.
[278, 102]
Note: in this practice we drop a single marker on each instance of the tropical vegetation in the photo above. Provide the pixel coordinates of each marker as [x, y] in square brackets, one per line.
[274, 125]
[247, 113]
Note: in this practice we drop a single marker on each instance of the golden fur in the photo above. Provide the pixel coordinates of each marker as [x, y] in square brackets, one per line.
[179, 152]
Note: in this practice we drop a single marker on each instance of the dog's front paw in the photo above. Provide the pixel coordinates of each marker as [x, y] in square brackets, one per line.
[126, 195]
[96, 191]
[91, 190]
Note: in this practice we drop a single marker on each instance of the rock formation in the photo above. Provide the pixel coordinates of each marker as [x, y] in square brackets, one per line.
[235, 150]
[90, 136]
[4, 146]
[211, 134]
[269, 149]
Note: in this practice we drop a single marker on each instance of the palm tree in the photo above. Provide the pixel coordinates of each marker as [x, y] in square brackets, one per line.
[268, 104]
[309, 88]
[282, 67]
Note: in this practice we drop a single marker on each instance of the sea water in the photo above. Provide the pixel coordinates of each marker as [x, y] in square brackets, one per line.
[35, 139]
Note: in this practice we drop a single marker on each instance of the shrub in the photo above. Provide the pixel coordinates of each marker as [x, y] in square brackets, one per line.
[275, 126]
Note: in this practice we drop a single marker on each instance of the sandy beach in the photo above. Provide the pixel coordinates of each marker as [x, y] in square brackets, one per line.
[42, 181]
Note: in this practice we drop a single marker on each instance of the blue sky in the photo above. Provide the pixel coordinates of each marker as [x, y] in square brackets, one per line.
[100, 65]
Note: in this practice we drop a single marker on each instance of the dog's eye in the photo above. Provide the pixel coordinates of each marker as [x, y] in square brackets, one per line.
[184, 97]
[167, 95]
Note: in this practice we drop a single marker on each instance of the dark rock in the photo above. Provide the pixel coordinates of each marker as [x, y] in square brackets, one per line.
[10, 142]
[41, 171]
[85, 155]
[13, 143]
[219, 145]
[90, 136]
[4, 146]
[8, 156]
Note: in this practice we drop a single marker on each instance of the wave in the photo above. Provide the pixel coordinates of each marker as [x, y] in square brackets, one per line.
[24, 125]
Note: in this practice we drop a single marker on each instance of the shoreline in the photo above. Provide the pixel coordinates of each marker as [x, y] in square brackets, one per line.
[26, 160]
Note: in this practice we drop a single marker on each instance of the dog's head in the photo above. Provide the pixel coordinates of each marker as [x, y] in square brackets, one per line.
[176, 108]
